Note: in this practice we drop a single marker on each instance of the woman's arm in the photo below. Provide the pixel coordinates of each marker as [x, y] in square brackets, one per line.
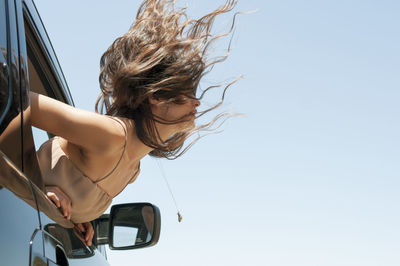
[91, 131]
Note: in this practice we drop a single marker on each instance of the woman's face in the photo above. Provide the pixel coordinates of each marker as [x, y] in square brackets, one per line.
[185, 112]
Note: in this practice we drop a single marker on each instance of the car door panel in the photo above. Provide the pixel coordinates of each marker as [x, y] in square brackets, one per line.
[18, 223]
[19, 219]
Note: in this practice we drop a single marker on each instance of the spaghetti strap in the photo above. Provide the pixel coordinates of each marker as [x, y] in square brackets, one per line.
[123, 151]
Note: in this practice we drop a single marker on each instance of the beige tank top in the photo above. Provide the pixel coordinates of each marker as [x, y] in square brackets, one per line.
[89, 200]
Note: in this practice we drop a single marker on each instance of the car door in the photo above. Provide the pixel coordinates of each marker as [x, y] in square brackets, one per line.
[46, 77]
[20, 243]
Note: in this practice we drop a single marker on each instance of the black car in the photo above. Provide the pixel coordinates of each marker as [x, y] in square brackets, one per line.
[33, 231]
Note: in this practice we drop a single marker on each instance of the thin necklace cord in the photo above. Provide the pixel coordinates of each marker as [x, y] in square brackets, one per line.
[169, 189]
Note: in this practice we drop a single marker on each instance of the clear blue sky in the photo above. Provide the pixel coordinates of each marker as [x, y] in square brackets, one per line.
[310, 176]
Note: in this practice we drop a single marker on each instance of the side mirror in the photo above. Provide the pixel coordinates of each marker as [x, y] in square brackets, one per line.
[133, 225]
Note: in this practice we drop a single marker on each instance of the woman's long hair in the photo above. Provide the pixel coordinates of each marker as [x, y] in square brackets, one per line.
[163, 55]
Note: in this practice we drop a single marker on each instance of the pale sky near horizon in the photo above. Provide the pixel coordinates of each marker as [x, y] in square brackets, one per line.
[310, 174]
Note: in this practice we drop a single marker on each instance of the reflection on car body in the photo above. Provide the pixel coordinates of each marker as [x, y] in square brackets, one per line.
[33, 230]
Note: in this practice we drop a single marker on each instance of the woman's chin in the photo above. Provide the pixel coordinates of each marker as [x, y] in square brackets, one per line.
[187, 126]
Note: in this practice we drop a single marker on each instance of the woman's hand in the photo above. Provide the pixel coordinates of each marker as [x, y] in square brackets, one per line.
[60, 199]
[85, 232]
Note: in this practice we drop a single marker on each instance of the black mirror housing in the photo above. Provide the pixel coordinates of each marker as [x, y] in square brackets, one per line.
[101, 226]
[132, 226]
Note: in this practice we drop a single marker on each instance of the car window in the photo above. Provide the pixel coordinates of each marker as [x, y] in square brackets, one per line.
[43, 79]
[73, 247]
[37, 81]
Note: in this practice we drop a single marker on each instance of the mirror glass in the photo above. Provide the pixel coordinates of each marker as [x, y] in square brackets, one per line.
[124, 236]
[132, 225]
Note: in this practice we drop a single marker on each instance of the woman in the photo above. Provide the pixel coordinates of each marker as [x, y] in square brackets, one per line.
[149, 77]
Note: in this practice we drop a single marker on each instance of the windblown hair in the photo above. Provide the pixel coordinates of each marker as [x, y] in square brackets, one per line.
[163, 55]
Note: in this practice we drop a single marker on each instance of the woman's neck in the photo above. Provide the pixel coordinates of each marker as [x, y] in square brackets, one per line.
[138, 149]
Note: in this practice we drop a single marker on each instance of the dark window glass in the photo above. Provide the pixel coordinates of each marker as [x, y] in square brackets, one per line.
[71, 243]
[4, 90]
[3, 32]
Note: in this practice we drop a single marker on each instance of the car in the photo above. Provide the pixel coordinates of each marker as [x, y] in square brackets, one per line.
[33, 231]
